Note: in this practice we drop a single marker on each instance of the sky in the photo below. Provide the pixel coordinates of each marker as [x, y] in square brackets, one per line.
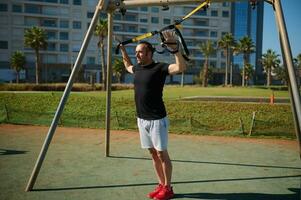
[292, 14]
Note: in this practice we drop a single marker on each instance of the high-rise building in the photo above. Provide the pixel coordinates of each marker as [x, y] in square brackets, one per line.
[66, 22]
[248, 21]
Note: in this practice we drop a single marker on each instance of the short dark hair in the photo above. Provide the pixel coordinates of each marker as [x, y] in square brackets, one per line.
[148, 45]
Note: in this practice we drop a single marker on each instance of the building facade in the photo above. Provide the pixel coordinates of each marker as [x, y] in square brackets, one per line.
[66, 22]
[248, 21]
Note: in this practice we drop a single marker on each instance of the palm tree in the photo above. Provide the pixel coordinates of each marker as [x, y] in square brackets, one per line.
[297, 61]
[245, 46]
[207, 49]
[18, 62]
[281, 74]
[35, 38]
[298, 66]
[226, 43]
[249, 72]
[270, 62]
[101, 31]
[118, 68]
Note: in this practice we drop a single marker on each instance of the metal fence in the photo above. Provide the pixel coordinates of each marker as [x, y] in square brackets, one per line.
[251, 126]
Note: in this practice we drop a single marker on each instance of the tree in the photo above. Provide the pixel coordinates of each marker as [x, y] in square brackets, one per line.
[18, 62]
[298, 60]
[281, 74]
[249, 72]
[101, 31]
[207, 49]
[35, 38]
[226, 43]
[118, 68]
[270, 62]
[298, 68]
[245, 46]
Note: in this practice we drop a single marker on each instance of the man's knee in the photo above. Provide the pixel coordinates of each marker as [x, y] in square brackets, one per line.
[163, 156]
[153, 152]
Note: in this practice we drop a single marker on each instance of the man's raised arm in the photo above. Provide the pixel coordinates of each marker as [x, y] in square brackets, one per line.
[126, 60]
[180, 64]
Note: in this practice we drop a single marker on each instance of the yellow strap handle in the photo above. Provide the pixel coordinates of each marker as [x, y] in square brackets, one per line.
[141, 37]
[196, 9]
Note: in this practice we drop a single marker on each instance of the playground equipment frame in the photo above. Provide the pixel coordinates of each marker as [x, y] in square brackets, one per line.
[109, 6]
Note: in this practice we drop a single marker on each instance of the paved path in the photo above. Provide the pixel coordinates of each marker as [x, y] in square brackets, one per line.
[205, 167]
[238, 99]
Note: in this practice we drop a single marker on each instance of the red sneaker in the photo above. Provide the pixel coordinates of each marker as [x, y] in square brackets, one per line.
[165, 193]
[152, 194]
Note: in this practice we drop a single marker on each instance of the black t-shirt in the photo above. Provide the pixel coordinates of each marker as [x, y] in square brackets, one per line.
[148, 84]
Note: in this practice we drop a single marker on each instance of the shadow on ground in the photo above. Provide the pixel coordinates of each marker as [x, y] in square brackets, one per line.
[242, 196]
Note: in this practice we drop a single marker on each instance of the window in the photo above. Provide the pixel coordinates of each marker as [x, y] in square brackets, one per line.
[155, 20]
[17, 8]
[117, 17]
[64, 35]
[51, 1]
[103, 15]
[201, 23]
[213, 34]
[77, 2]
[64, 24]
[213, 63]
[64, 1]
[166, 21]
[3, 45]
[223, 54]
[29, 8]
[144, 9]
[202, 13]
[224, 33]
[130, 18]
[77, 25]
[226, 4]
[225, 14]
[155, 9]
[143, 20]
[49, 23]
[214, 13]
[51, 46]
[143, 30]
[3, 7]
[90, 60]
[131, 29]
[64, 47]
[116, 28]
[201, 33]
[51, 35]
[90, 14]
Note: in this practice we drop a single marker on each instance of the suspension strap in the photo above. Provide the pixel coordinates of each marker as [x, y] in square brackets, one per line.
[174, 26]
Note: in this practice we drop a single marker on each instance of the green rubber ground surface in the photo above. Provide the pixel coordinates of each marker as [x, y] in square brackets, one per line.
[204, 167]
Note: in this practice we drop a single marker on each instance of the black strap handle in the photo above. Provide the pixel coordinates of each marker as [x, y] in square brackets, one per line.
[163, 43]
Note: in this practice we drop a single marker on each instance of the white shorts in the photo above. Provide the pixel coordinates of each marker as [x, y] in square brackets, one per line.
[153, 133]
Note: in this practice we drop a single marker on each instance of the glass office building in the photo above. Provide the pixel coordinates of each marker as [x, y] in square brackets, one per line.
[249, 21]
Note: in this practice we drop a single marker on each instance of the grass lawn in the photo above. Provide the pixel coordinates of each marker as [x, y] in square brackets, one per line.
[87, 109]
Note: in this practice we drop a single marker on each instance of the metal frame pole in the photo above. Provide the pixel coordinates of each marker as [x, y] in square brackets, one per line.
[287, 55]
[297, 128]
[109, 82]
[63, 101]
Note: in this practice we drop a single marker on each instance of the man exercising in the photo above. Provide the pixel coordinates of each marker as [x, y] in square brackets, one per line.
[149, 79]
